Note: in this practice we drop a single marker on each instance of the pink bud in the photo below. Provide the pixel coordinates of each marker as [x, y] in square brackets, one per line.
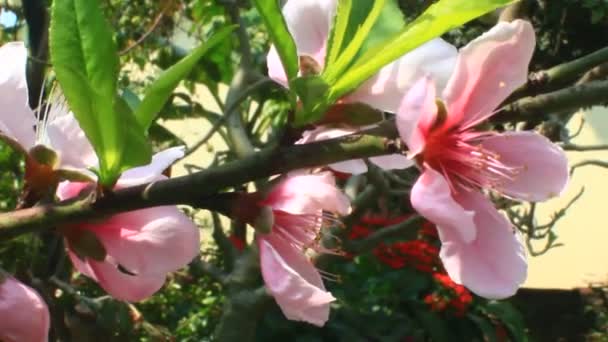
[25, 316]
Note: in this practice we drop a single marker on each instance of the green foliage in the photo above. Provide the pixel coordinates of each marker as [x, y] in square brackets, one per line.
[85, 59]
[360, 20]
[310, 89]
[375, 302]
[159, 92]
[366, 37]
[279, 34]
[436, 20]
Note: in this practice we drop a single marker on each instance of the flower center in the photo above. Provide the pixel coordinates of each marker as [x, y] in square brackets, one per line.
[464, 162]
[305, 231]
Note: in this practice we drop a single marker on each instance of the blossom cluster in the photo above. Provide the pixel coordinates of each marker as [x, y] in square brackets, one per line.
[438, 95]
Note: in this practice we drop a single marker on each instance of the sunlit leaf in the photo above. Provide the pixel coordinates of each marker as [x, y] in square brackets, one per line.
[159, 92]
[270, 11]
[85, 60]
[436, 20]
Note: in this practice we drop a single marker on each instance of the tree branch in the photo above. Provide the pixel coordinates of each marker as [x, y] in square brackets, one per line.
[599, 163]
[583, 148]
[562, 101]
[561, 74]
[197, 189]
[148, 32]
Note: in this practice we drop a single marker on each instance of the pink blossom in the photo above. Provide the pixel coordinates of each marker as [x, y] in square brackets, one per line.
[142, 246]
[301, 205]
[25, 316]
[309, 22]
[479, 247]
[57, 129]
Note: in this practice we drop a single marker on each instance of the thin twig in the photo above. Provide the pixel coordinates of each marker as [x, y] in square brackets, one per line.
[209, 269]
[151, 29]
[198, 189]
[228, 251]
[591, 162]
[584, 148]
[229, 111]
[560, 101]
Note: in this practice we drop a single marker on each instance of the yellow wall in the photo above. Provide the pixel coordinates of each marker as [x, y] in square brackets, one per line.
[583, 230]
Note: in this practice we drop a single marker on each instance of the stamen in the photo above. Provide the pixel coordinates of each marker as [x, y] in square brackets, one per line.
[465, 163]
[305, 231]
[330, 276]
[56, 105]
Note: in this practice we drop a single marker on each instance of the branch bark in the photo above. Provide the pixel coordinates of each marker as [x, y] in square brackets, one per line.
[560, 74]
[197, 189]
[535, 108]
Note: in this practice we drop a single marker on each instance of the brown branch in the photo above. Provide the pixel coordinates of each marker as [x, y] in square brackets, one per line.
[583, 148]
[560, 101]
[198, 189]
[230, 110]
[560, 74]
[599, 163]
[152, 28]
[598, 73]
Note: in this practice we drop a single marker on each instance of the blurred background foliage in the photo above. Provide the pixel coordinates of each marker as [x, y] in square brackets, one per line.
[396, 292]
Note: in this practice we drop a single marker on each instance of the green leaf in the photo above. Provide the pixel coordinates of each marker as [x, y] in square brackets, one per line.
[133, 132]
[85, 59]
[485, 326]
[270, 11]
[159, 92]
[436, 20]
[338, 31]
[389, 24]
[311, 90]
[363, 27]
[348, 21]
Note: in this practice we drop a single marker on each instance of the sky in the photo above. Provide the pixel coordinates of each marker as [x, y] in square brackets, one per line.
[7, 18]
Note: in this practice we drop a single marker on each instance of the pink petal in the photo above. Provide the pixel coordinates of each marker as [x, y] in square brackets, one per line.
[25, 316]
[544, 167]
[384, 91]
[417, 114]
[308, 22]
[321, 133]
[17, 120]
[66, 190]
[148, 173]
[432, 198]
[68, 139]
[148, 243]
[308, 194]
[275, 67]
[488, 70]
[81, 265]
[294, 282]
[353, 166]
[494, 264]
[392, 162]
[122, 286]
